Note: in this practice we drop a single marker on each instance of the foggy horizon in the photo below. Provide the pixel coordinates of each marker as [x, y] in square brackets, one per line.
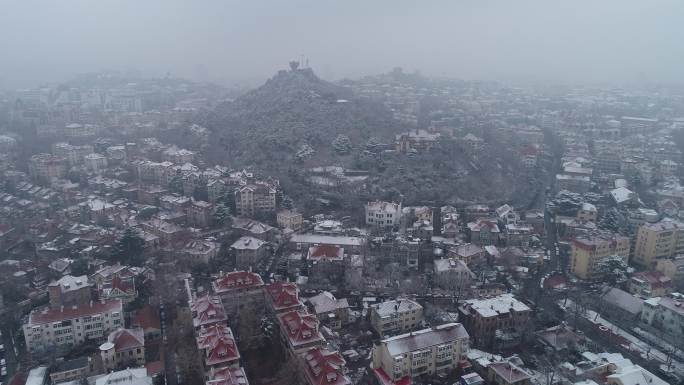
[614, 42]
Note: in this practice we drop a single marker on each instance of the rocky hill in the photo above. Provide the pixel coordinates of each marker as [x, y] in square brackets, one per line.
[294, 117]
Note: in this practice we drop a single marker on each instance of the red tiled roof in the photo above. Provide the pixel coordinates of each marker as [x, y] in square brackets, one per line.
[283, 295]
[222, 351]
[154, 368]
[325, 252]
[18, 379]
[555, 282]
[300, 327]
[54, 315]
[325, 367]
[481, 223]
[237, 280]
[207, 310]
[654, 278]
[124, 285]
[125, 339]
[147, 318]
[384, 379]
[207, 336]
[228, 376]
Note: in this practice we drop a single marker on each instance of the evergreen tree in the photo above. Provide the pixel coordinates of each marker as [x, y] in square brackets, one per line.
[129, 248]
[228, 200]
[342, 144]
[221, 214]
[614, 270]
[201, 193]
[176, 185]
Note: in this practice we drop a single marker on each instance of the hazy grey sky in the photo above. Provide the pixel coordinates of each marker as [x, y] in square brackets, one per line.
[248, 40]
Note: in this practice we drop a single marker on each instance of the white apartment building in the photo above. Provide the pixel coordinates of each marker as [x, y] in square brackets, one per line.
[383, 214]
[425, 352]
[95, 162]
[73, 154]
[66, 326]
[45, 167]
[666, 314]
[395, 316]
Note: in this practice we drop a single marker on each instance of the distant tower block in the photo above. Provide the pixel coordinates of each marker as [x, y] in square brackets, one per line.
[294, 65]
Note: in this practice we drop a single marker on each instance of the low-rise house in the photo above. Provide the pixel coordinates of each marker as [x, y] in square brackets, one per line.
[495, 321]
[255, 229]
[507, 373]
[61, 266]
[468, 253]
[352, 245]
[124, 348]
[70, 291]
[650, 284]
[136, 376]
[623, 196]
[119, 288]
[451, 229]
[472, 212]
[328, 227]
[289, 219]
[416, 140]
[560, 338]
[299, 332]
[383, 214]
[620, 304]
[396, 316]
[434, 351]
[68, 326]
[484, 232]
[200, 251]
[166, 231]
[326, 261]
[452, 274]
[149, 321]
[70, 370]
[518, 234]
[105, 275]
[507, 215]
[330, 310]
[248, 252]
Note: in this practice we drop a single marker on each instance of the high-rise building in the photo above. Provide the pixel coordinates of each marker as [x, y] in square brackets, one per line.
[588, 251]
[45, 167]
[660, 240]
